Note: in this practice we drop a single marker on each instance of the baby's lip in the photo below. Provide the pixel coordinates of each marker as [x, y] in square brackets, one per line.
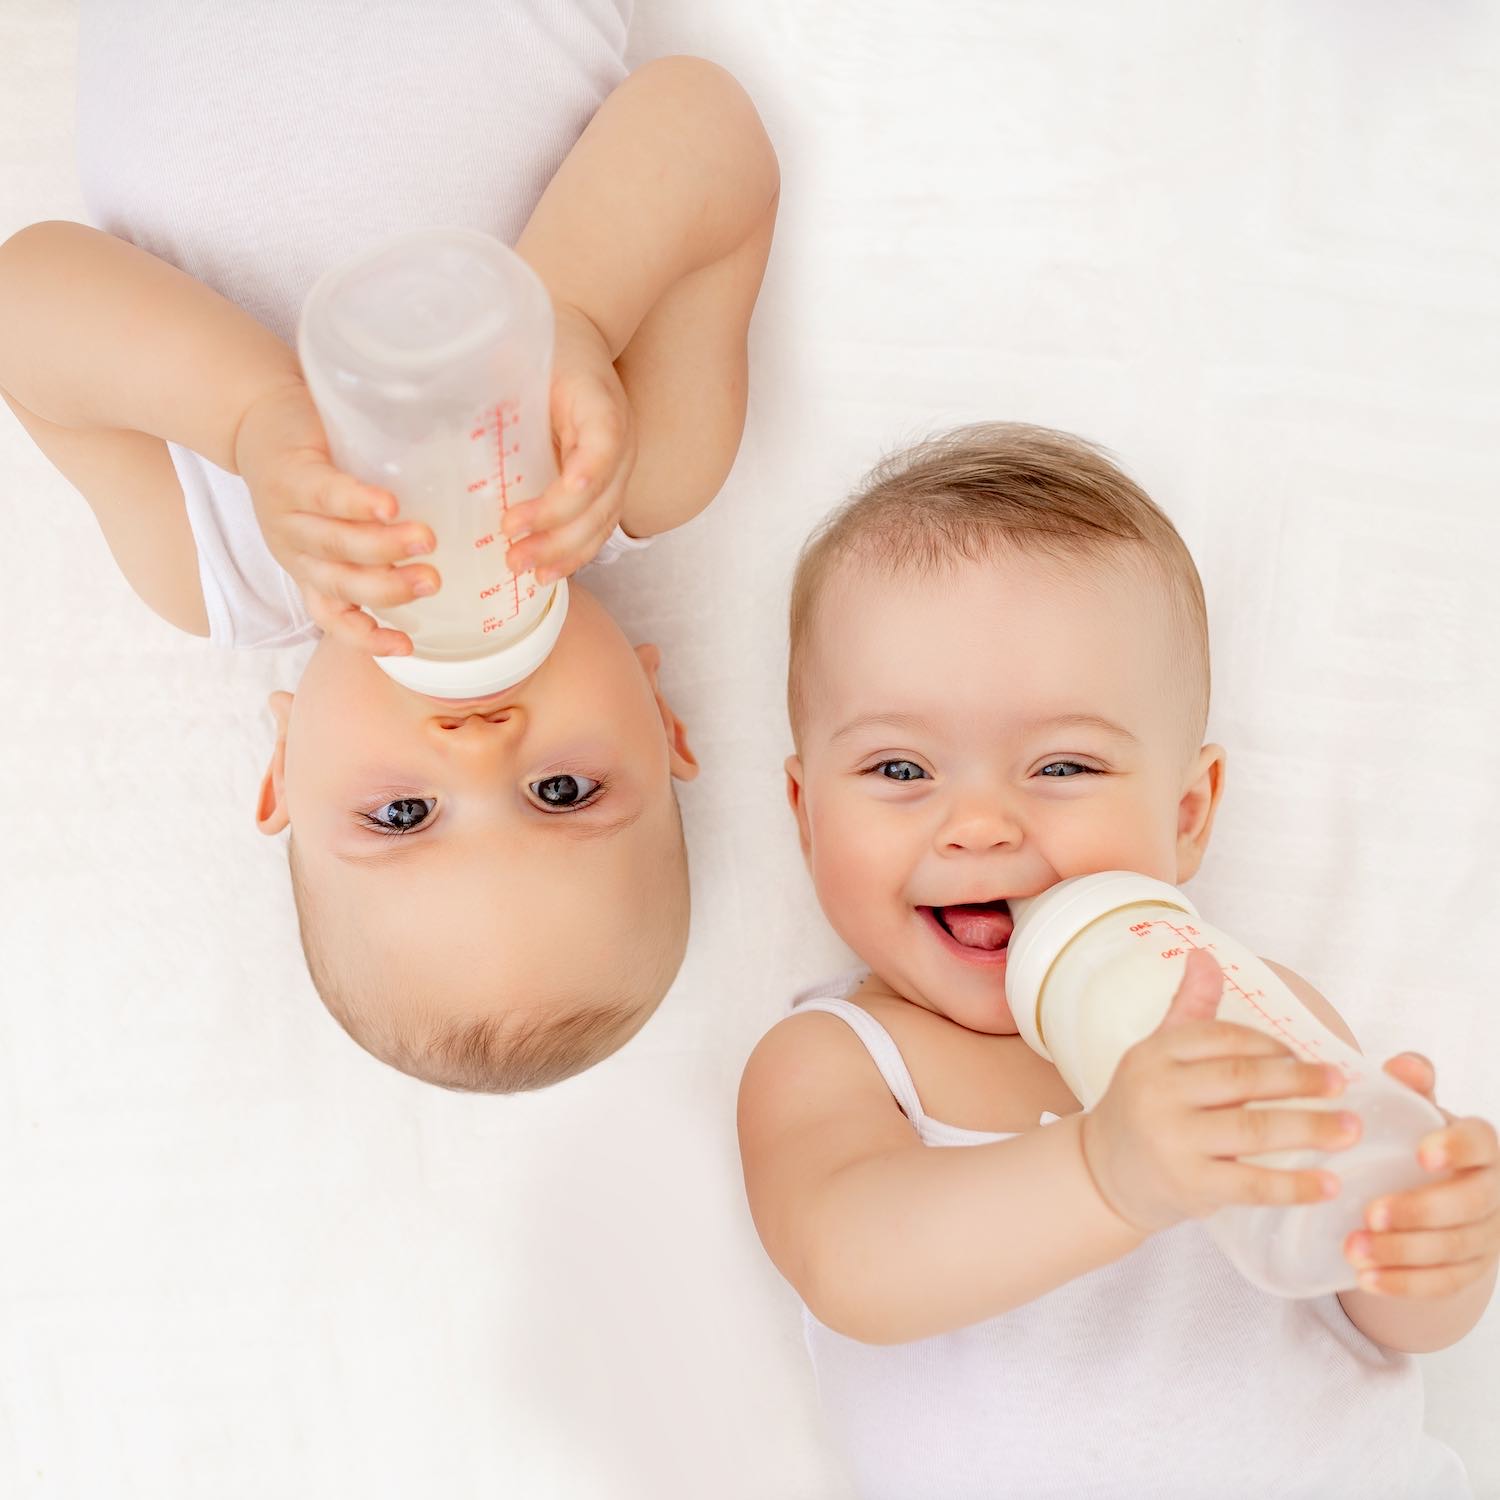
[494, 701]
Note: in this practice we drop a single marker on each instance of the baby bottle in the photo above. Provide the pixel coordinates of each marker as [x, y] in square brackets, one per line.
[429, 358]
[1093, 965]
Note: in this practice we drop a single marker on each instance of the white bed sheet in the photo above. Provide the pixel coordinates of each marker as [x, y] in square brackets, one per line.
[1252, 249]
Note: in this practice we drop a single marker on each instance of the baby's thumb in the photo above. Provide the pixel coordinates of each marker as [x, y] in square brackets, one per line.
[1197, 997]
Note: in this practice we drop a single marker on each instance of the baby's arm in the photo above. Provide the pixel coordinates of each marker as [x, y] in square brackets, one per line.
[111, 352]
[884, 1238]
[652, 238]
[101, 334]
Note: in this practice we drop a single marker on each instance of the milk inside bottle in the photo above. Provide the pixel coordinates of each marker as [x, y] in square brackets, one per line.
[429, 358]
[1092, 967]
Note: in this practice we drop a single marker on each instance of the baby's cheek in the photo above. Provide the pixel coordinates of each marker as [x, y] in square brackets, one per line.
[858, 875]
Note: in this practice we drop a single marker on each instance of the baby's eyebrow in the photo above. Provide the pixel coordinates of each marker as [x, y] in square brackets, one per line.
[1055, 721]
[871, 721]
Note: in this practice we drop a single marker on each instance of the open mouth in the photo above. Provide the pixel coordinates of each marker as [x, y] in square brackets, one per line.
[978, 930]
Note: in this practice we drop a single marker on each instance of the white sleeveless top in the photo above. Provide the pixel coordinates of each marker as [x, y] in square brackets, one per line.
[1164, 1375]
[253, 146]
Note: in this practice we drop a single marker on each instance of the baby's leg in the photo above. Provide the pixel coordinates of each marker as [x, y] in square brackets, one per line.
[657, 227]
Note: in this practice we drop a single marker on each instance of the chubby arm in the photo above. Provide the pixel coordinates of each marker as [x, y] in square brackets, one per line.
[885, 1239]
[1414, 1325]
[110, 351]
[652, 239]
[101, 334]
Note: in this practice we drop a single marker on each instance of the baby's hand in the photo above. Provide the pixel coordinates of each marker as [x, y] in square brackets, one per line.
[1161, 1142]
[326, 529]
[594, 429]
[1435, 1239]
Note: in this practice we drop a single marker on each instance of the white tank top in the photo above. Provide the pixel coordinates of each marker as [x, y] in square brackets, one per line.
[1163, 1375]
[253, 146]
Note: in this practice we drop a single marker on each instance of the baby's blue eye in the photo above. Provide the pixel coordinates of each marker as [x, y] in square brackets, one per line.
[410, 812]
[1087, 770]
[564, 793]
[901, 770]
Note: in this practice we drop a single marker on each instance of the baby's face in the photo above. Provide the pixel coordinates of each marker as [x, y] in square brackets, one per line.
[492, 854]
[946, 761]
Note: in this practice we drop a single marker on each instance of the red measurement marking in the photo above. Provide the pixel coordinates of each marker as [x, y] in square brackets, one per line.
[1306, 1046]
[500, 427]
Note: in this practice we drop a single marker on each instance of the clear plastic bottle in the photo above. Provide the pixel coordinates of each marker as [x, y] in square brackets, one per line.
[429, 358]
[1093, 965]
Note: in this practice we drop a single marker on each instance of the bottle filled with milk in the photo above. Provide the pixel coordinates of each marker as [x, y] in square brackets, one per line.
[1093, 965]
[429, 359]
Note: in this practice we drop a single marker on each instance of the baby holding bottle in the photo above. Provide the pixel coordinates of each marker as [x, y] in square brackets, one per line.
[491, 885]
[999, 681]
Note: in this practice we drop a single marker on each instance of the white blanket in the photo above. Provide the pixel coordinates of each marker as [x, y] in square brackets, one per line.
[1252, 250]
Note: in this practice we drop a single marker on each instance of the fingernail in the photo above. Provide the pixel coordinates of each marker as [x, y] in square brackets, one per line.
[1369, 1281]
[1335, 1079]
[1380, 1216]
[425, 587]
[1433, 1157]
[416, 549]
[1359, 1251]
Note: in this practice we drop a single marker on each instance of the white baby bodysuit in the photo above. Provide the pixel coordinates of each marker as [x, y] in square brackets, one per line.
[253, 146]
[1164, 1374]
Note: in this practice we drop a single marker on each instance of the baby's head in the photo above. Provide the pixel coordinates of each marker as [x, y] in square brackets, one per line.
[998, 679]
[491, 896]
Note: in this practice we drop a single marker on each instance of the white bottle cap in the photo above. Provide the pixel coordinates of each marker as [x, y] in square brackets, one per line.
[1047, 923]
[480, 675]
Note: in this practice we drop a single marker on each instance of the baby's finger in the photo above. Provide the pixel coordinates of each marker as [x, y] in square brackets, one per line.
[554, 507]
[1424, 1281]
[375, 588]
[556, 554]
[587, 467]
[327, 491]
[1463, 1198]
[354, 628]
[364, 542]
[1424, 1247]
[1414, 1070]
[1470, 1142]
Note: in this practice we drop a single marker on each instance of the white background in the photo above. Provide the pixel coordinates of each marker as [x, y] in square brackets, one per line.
[1250, 247]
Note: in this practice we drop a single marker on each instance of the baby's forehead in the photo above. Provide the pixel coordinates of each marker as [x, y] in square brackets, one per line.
[1036, 628]
[1116, 587]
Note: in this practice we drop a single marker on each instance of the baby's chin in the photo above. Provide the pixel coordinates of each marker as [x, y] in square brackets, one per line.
[983, 1010]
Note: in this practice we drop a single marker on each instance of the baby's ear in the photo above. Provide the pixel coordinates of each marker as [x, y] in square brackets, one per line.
[797, 802]
[684, 762]
[270, 811]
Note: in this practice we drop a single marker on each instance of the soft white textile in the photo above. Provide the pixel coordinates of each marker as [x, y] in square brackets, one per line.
[1141, 1378]
[1251, 249]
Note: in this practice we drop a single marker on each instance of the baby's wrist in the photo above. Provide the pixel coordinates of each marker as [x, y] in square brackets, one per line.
[577, 332]
[264, 420]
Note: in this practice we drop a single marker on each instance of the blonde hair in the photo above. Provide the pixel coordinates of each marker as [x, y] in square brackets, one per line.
[972, 491]
[539, 1045]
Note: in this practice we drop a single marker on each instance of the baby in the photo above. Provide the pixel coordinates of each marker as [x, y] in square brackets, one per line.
[492, 894]
[999, 678]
